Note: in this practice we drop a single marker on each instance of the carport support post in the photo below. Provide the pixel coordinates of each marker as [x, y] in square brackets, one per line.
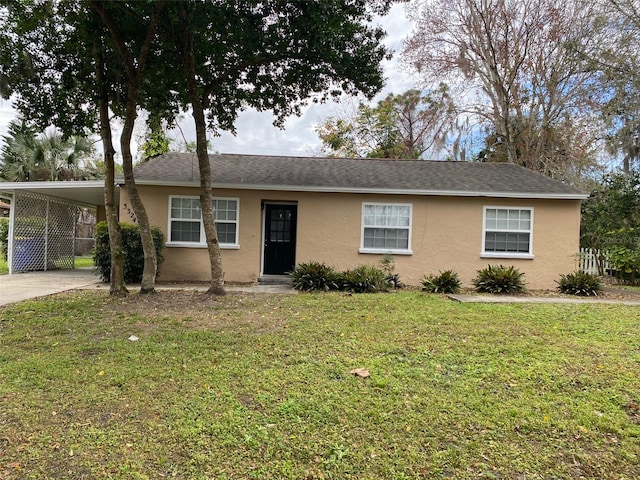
[12, 216]
[46, 237]
[76, 217]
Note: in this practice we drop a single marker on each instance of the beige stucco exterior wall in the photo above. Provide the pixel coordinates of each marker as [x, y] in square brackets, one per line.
[101, 213]
[446, 234]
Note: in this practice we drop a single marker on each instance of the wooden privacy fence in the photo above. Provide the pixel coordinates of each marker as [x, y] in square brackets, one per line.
[593, 262]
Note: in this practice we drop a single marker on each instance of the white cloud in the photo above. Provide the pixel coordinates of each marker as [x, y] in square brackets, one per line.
[255, 131]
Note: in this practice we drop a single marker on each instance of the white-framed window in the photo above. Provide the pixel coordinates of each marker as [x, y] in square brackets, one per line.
[186, 227]
[507, 232]
[386, 228]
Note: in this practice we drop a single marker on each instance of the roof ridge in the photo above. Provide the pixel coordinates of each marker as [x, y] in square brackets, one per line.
[303, 157]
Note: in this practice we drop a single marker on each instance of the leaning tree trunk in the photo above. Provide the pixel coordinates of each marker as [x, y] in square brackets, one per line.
[206, 197]
[148, 246]
[206, 204]
[116, 278]
[134, 73]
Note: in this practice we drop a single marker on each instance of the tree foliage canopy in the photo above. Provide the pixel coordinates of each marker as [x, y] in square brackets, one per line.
[514, 76]
[72, 62]
[275, 55]
[611, 220]
[611, 214]
[400, 126]
[269, 55]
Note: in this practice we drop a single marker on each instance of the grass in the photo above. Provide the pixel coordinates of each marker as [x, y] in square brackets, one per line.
[252, 386]
[80, 262]
[83, 262]
[622, 286]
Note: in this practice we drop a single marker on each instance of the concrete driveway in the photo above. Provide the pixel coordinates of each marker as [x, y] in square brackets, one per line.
[23, 286]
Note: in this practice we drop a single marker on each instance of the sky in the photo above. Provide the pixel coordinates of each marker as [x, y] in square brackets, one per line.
[255, 131]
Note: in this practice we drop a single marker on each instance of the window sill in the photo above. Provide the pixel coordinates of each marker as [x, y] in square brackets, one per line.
[523, 256]
[223, 246]
[382, 251]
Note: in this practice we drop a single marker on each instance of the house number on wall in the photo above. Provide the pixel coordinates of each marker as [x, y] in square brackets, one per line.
[130, 212]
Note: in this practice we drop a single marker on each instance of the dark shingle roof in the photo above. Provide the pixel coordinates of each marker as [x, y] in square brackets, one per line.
[422, 177]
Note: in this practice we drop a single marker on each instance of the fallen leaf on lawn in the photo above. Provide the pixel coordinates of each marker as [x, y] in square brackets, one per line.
[361, 372]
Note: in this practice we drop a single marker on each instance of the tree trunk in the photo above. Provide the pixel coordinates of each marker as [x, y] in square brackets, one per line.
[134, 72]
[206, 197]
[148, 247]
[206, 202]
[117, 285]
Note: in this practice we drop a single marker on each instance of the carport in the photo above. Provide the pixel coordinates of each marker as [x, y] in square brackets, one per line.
[42, 221]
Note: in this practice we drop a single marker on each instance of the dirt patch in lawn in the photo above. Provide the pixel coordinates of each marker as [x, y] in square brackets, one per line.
[202, 310]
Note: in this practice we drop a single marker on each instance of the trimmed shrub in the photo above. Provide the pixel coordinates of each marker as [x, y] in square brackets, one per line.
[388, 265]
[365, 279]
[445, 282]
[625, 263]
[133, 253]
[579, 283]
[499, 279]
[315, 276]
[4, 237]
[394, 281]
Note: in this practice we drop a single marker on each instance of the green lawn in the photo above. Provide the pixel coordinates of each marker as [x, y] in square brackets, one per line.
[259, 386]
[80, 262]
[83, 262]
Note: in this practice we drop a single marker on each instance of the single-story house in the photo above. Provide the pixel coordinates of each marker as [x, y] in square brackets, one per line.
[273, 212]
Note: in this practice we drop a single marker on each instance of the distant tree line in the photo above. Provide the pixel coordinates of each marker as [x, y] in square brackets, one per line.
[553, 86]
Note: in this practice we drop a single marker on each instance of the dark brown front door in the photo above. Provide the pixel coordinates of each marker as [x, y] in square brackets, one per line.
[280, 238]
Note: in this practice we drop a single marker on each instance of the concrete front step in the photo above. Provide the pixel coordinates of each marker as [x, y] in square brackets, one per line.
[274, 280]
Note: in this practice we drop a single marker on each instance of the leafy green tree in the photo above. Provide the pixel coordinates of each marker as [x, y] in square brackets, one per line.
[121, 56]
[611, 217]
[156, 140]
[400, 126]
[57, 62]
[133, 28]
[269, 55]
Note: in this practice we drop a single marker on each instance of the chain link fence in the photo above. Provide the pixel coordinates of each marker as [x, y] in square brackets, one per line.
[43, 233]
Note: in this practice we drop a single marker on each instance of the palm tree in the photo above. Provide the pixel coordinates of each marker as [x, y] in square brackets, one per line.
[27, 156]
[17, 157]
[61, 159]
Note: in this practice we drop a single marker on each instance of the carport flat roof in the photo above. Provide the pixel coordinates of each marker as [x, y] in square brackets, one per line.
[90, 192]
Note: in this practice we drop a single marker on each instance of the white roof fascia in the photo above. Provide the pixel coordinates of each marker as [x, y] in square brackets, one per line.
[55, 189]
[50, 185]
[445, 193]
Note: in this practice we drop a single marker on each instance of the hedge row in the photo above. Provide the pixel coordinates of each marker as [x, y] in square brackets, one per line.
[495, 279]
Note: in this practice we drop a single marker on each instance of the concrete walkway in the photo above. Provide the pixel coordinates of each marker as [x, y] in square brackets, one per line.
[525, 299]
[24, 286]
